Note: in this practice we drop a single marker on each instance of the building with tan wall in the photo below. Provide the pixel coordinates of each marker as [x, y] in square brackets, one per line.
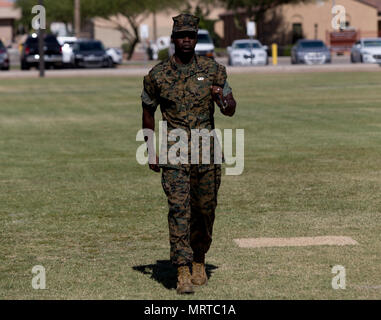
[107, 31]
[315, 18]
[8, 15]
[311, 20]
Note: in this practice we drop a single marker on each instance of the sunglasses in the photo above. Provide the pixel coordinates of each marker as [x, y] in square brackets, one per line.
[184, 34]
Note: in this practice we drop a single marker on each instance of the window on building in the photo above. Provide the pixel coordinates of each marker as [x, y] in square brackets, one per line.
[297, 32]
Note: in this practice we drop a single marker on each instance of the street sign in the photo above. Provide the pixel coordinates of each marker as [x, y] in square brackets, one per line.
[251, 29]
[144, 31]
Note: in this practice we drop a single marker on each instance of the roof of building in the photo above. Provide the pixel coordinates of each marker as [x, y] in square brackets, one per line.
[8, 10]
[6, 4]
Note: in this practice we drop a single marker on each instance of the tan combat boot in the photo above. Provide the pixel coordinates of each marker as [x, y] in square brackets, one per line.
[184, 280]
[199, 276]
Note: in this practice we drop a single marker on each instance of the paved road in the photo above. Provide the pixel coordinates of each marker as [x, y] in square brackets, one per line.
[140, 71]
[339, 64]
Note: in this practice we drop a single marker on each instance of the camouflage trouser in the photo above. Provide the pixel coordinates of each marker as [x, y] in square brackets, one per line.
[192, 200]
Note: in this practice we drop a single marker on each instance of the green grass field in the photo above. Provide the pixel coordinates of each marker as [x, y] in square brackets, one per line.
[74, 199]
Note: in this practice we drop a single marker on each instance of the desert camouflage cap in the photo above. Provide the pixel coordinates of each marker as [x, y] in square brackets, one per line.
[185, 22]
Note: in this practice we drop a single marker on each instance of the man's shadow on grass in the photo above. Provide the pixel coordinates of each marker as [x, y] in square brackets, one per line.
[165, 273]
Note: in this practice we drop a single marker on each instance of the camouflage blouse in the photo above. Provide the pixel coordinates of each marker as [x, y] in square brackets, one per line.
[184, 95]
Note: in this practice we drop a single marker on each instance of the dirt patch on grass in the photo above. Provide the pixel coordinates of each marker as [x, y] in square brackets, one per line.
[295, 242]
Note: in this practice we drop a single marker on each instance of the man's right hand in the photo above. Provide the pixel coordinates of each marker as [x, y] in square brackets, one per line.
[217, 96]
[155, 167]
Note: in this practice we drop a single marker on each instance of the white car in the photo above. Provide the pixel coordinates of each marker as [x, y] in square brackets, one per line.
[204, 47]
[67, 48]
[247, 52]
[116, 55]
[367, 50]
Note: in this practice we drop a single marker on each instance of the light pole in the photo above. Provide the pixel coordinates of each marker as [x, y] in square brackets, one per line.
[154, 27]
[77, 17]
[41, 49]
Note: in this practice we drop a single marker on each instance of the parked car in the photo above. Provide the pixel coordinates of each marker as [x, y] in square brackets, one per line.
[204, 47]
[4, 57]
[310, 52]
[116, 55]
[367, 50]
[30, 52]
[67, 49]
[90, 54]
[247, 52]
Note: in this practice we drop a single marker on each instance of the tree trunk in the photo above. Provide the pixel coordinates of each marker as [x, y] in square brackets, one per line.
[132, 38]
[132, 48]
[136, 39]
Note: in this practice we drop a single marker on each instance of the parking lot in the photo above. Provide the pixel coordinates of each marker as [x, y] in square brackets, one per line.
[139, 68]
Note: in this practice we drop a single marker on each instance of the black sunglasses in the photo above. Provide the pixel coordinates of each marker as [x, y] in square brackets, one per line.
[184, 34]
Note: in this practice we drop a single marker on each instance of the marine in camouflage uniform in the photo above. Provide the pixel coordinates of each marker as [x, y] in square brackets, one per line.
[184, 94]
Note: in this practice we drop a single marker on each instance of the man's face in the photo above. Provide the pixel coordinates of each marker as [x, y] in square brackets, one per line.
[185, 41]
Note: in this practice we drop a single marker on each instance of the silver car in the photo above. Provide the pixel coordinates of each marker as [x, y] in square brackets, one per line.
[4, 57]
[367, 50]
[310, 52]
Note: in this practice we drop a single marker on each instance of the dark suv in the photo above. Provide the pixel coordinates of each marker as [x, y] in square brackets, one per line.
[30, 54]
[4, 57]
[90, 54]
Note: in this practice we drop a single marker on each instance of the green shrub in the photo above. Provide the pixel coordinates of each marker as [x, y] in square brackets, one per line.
[287, 50]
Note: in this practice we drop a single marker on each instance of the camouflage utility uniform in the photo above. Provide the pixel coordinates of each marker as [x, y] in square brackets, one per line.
[184, 95]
